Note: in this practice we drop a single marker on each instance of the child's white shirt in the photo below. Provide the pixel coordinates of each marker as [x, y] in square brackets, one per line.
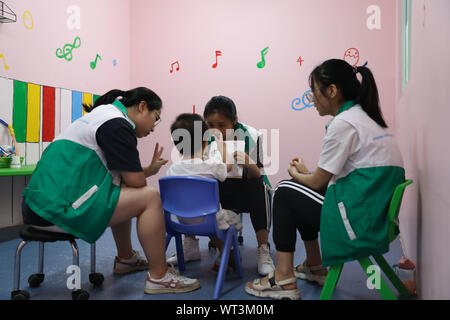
[212, 168]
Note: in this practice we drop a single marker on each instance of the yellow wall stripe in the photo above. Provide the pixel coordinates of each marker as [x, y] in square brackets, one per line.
[33, 112]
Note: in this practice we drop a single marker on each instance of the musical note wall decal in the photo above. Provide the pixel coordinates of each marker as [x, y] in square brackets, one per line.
[262, 63]
[218, 54]
[66, 52]
[178, 66]
[4, 63]
[94, 63]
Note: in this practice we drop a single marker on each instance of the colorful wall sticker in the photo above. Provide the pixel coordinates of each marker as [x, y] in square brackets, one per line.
[4, 62]
[28, 20]
[66, 52]
[352, 56]
[262, 63]
[175, 63]
[218, 54]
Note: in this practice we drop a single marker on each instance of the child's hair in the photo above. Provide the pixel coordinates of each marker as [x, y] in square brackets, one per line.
[129, 98]
[221, 105]
[343, 75]
[192, 125]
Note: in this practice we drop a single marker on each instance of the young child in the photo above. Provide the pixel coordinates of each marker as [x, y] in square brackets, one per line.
[188, 132]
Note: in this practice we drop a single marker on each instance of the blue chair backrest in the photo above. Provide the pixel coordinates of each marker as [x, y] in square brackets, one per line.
[189, 196]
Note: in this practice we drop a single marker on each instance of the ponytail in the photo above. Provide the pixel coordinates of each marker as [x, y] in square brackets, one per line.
[344, 76]
[129, 98]
[368, 96]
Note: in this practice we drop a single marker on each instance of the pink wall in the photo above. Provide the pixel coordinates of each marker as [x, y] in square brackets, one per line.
[31, 54]
[191, 31]
[422, 126]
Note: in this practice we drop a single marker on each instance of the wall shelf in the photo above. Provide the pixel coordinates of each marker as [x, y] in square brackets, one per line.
[6, 14]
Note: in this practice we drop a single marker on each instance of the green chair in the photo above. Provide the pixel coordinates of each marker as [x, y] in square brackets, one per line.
[387, 294]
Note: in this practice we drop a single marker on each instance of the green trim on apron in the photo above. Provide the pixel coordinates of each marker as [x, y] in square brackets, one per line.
[123, 109]
[347, 105]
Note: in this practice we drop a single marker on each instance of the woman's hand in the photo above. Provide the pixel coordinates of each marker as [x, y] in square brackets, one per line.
[243, 159]
[299, 165]
[293, 172]
[157, 162]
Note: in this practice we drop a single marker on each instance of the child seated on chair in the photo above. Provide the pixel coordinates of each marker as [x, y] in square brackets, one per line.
[190, 135]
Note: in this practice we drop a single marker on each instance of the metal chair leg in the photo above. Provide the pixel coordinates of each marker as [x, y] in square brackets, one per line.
[76, 257]
[93, 249]
[17, 264]
[41, 258]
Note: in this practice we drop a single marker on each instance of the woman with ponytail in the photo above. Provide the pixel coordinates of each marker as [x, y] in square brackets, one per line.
[346, 198]
[90, 177]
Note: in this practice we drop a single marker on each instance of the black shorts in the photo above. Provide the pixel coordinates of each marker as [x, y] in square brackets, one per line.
[31, 218]
[246, 195]
[295, 207]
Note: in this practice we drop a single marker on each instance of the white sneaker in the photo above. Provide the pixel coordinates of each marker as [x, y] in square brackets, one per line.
[265, 263]
[191, 251]
[172, 282]
[134, 264]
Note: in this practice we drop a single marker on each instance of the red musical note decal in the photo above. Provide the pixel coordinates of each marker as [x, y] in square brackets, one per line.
[178, 66]
[218, 54]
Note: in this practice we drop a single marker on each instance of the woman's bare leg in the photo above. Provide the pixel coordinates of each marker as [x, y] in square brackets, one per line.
[122, 236]
[145, 204]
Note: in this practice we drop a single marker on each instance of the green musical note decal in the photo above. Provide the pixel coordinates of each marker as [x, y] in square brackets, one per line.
[94, 63]
[262, 63]
[66, 52]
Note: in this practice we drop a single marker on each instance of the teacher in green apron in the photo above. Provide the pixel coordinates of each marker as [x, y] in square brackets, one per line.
[346, 198]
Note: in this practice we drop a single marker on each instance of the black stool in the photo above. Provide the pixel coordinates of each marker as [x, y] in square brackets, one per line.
[28, 234]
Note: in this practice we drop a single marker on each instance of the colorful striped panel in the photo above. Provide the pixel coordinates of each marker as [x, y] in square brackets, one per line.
[77, 100]
[33, 112]
[48, 117]
[87, 99]
[20, 110]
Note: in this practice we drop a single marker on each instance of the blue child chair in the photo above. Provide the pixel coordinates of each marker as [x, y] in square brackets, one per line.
[193, 197]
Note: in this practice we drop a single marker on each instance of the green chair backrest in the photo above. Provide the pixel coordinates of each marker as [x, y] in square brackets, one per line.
[394, 209]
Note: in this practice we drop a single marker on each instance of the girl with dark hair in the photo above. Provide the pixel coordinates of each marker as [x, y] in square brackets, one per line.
[346, 198]
[90, 177]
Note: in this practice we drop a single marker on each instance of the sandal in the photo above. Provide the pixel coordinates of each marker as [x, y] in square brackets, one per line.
[282, 290]
[304, 272]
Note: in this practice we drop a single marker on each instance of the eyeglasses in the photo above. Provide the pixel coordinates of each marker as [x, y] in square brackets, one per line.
[158, 119]
[309, 98]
